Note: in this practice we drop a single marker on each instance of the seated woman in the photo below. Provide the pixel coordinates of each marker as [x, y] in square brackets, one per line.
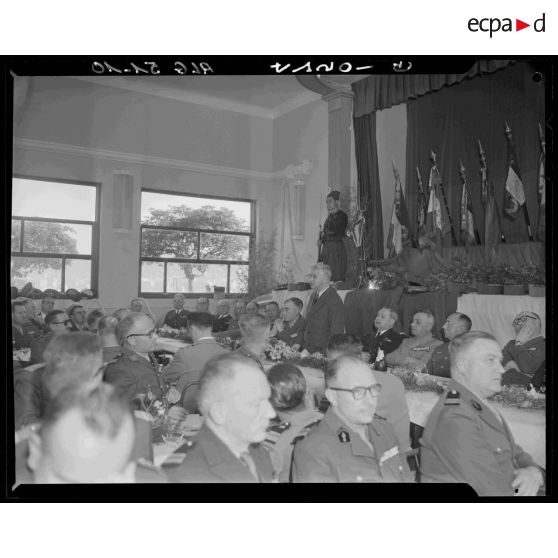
[295, 412]
[525, 354]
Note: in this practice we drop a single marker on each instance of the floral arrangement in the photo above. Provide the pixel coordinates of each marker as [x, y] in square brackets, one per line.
[383, 278]
[510, 396]
[279, 351]
[227, 342]
[534, 274]
[172, 333]
[148, 403]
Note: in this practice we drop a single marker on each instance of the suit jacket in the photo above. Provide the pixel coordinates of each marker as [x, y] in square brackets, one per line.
[528, 356]
[324, 318]
[293, 335]
[410, 347]
[20, 340]
[388, 341]
[132, 374]
[210, 460]
[332, 452]
[222, 323]
[439, 363]
[188, 363]
[175, 319]
[465, 442]
[30, 396]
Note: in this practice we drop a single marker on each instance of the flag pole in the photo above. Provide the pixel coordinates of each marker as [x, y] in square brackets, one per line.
[484, 199]
[463, 175]
[433, 159]
[421, 219]
[525, 211]
[541, 182]
[398, 183]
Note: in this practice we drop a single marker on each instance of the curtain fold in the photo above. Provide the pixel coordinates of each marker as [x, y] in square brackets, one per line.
[452, 120]
[383, 91]
[366, 152]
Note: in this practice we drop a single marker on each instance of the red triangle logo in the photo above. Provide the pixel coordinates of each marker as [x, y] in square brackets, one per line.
[519, 25]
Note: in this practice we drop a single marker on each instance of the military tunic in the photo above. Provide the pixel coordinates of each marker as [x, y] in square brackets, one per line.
[439, 363]
[332, 452]
[464, 441]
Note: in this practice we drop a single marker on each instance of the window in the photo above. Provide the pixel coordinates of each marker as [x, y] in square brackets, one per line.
[191, 244]
[54, 234]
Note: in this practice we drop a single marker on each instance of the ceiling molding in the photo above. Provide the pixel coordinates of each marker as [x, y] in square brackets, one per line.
[313, 83]
[158, 90]
[137, 159]
[294, 103]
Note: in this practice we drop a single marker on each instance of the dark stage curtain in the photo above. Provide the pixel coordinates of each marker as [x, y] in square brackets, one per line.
[383, 91]
[451, 120]
[366, 151]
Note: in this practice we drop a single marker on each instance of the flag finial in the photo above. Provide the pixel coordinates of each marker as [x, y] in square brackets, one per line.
[462, 171]
[395, 171]
[433, 157]
[508, 129]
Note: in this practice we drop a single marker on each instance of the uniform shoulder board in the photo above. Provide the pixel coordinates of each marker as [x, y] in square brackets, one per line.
[305, 431]
[115, 359]
[453, 397]
[379, 417]
[274, 432]
[280, 428]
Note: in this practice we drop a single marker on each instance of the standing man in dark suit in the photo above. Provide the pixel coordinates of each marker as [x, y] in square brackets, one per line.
[177, 317]
[332, 249]
[234, 401]
[466, 439]
[386, 338]
[324, 316]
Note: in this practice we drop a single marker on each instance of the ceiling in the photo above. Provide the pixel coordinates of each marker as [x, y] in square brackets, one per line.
[264, 96]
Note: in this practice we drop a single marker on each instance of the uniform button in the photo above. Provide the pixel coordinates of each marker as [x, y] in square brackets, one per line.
[359, 478]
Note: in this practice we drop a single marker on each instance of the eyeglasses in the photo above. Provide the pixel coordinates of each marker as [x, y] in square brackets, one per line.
[359, 392]
[65, 322]
[148, 334]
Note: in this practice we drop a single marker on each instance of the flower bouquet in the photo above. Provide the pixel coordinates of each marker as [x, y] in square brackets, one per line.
[172, 333]
[227, 342]
[415, 380]
[520, 397]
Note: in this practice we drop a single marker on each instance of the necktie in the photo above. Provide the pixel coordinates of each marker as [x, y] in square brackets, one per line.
[316, 296]
[246, 458]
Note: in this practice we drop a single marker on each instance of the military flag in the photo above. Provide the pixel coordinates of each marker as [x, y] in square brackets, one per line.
[400, 224]
[422, 206]
[438, 220]
[468, 236]
[542, 187]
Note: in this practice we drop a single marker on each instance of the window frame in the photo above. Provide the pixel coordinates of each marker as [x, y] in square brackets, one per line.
[165, 261]
[95, 232]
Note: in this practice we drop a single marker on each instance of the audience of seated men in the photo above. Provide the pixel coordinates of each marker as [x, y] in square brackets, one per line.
[177, 317]
[466, 439]
[21, 339]
[385, 338]
[87, 435]
[109, 341]
[136, 371]
[93, 319]
[415, 351]
[234, 401]
[524, 355]
[57, 322]
[391, 403]
[295, 414]
[290, 329]
[69, 357]
[222, 317]
[186, 367]
[351, 443]
[324, 311]
[455, 325]
[77, 315]
[254, 330]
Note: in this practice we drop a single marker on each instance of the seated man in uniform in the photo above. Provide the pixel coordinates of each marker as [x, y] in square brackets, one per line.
[255, 337]
[455, 325]
[86, 436]
[57, 322]
[525, 354]
[202, 304]
[223, 317]
[176, 318]
[295, 411]
[291, 328]
[385, 338]
[351, 443]
[20, 337]
[187, 365]
[466, 439]
[392, 403]
[234, 401]
[415, 351]
[77, 315]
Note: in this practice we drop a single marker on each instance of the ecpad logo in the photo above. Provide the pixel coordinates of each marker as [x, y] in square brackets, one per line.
[493, 25]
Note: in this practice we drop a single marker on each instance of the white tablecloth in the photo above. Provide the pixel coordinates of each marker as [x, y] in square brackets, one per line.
[495, 313]
[528, 427]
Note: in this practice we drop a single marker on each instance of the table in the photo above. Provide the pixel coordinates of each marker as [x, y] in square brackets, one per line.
[528, 427]
[495, 313]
